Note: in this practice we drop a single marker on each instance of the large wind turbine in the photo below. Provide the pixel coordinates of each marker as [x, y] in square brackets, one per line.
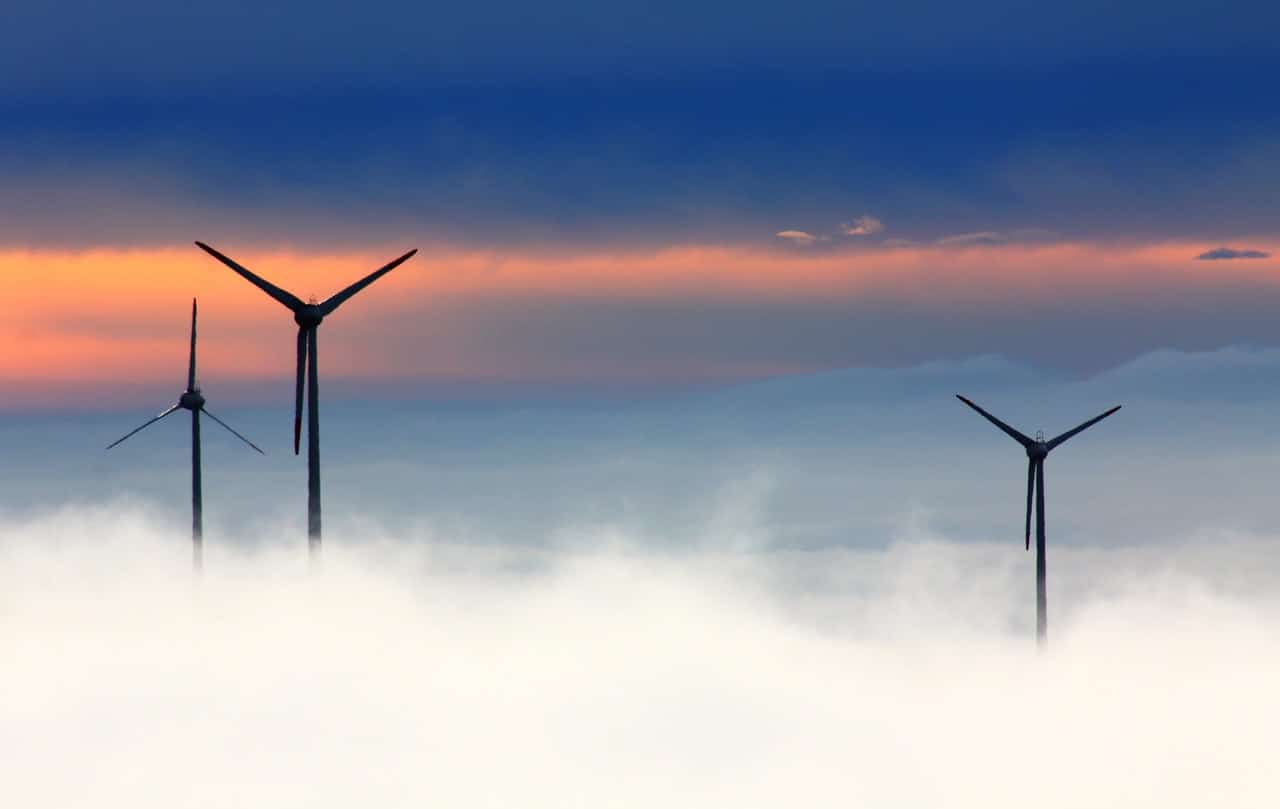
[191, 399]
[1037, 450]
[308, 316]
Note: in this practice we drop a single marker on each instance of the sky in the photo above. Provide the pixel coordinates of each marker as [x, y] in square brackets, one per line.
[619, 197]
[645, 483]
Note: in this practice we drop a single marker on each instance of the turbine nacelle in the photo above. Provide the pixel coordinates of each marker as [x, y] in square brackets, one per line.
[191, 400]
[308, 316]
[1038, 450]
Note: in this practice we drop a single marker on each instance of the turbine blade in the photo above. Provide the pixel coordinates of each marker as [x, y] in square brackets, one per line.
[230, 430]
[287, 298]
[145, 425]
[337, 300]
[191, 366]
[1012, 433]
[1060, 439]
[1031, 488]
[297, 399]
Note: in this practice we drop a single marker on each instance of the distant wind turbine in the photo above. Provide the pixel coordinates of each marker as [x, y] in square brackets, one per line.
[1037, 450]
[308, 316]
[191, 399]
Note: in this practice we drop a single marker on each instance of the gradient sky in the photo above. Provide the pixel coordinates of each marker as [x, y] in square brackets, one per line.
[637, 196]
[645, 483]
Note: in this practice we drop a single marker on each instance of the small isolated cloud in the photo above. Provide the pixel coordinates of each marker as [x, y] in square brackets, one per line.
[1231, 252]
[1031, 235]
[798, 237]
[993, 237]
[863, 226]
[981, 237]
[897, 243]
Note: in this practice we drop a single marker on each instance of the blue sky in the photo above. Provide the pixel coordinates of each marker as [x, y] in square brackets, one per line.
[573, 124]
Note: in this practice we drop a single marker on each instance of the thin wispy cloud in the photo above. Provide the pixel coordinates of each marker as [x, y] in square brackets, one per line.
[863, 226]
[982, 237]
[993, 238]
[797, 237]
[1220, 253]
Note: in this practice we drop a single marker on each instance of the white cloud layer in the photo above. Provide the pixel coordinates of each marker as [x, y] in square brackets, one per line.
[461, 677]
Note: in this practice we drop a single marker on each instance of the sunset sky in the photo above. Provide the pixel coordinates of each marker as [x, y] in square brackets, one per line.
[838, 214]
[655, 197]
[645, 483]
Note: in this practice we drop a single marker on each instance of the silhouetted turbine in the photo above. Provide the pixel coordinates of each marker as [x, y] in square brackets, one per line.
[1037, 450]
[191, 399]
[308, 316]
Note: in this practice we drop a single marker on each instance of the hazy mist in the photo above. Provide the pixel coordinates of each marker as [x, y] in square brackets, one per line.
[832, 460]
[599, 673]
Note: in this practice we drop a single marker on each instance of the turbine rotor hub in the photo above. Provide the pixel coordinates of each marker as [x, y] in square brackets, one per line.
[191, 400]
[1038, 451]
[308, 317]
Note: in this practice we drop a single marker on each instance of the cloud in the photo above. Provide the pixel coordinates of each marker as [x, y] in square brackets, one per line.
[626, 679]
[983, 237]
[1230, 252]
[992, 238]
[863, 226]
[798, 237]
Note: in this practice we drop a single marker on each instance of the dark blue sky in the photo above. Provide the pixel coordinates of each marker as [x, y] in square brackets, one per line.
[157, 45]
[502, 124]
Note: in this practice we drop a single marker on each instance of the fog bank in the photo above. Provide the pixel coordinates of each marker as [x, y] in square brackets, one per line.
[598, 672]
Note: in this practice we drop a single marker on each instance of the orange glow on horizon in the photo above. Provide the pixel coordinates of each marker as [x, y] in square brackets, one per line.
[111, 314]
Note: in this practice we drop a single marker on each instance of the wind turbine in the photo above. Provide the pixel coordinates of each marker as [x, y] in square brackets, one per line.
[308, 316]
[191, 399]
[1037, 450]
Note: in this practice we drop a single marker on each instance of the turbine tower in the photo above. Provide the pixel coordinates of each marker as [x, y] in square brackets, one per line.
[1037, 450]
[191, 399]
[308, 316]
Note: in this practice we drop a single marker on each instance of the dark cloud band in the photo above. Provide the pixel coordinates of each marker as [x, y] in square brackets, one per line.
[1220, 253]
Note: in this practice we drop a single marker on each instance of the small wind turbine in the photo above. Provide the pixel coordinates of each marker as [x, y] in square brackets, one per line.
[308, 316]
[1037, 450]
[191, 399]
